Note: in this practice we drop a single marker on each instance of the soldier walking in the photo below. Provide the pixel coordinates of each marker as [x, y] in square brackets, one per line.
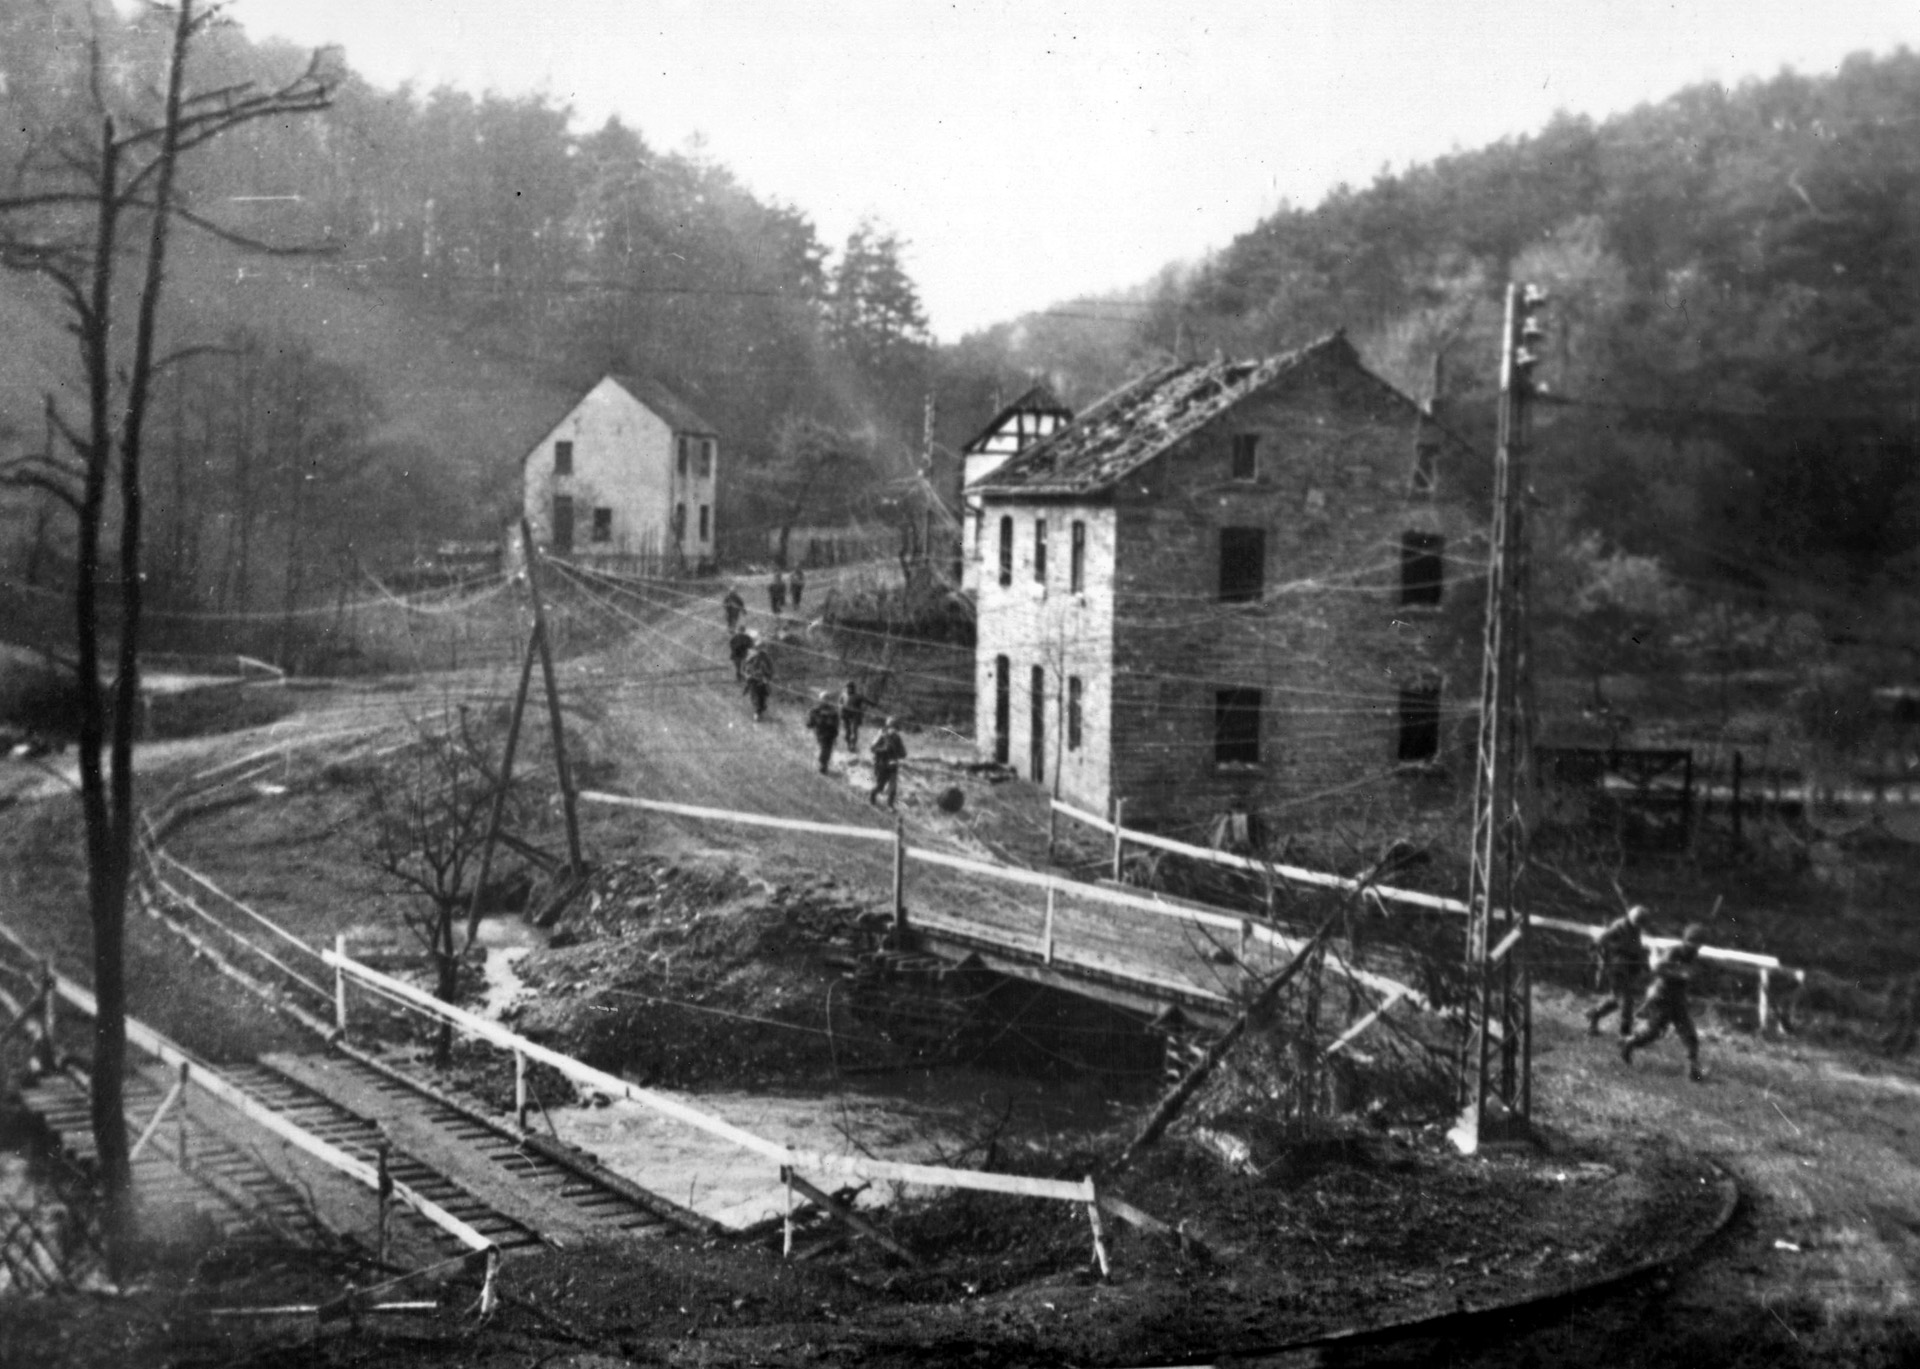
[733, 606]
[888, 751]
[738, 646]
[777, 593]
[1621, 960]
[1666, 1004]
[853, 712]
[823, 720]
[759, 679]
[796, 585]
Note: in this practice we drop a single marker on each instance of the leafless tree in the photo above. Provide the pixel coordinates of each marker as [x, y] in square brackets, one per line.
[428, 831]
[82, 201]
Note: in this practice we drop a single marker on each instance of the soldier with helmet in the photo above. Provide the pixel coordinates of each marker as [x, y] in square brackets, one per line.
[1666, 1004]
[823, 720]
[1620, 961]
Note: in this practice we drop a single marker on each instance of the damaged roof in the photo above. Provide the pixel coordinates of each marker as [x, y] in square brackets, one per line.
[1139, 421]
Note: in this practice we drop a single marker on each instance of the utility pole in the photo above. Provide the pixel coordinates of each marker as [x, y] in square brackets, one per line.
[1496, 1063]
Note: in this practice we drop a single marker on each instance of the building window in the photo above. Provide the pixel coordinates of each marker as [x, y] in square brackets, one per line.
[1420, 721]
[1236, 727]
[602, 525]
[1006, 551]
[1037, 725]
[1077, 558]
[706, 512]
[1246, 456]
[1002, 708]
[681, 457]
[563, 458]
[1040, 550]
[1074, 691]
[679, 522]
[1422, 567]
[707, 449]
[1243, 565]
[563, 523]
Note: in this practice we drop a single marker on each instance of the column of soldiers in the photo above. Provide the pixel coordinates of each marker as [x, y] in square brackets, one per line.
[831, 716]
[1621, 965]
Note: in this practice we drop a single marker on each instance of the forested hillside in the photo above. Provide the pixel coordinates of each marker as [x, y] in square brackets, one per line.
[447, 273]
[1733, 339]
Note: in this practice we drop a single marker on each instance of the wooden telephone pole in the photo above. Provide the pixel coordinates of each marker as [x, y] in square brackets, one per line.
[1496, 1062]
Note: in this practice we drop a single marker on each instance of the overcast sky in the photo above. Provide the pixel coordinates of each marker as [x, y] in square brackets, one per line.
[1030, 151]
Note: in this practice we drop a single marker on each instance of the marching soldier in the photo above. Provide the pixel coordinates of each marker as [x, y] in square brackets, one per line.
[1621, 958]
[823, 720]
[758, 671]
[853, 712]
[733, 606]
[1666, 1004]
[796, 585]
[777, 593]
[738, 646]
[888, 751]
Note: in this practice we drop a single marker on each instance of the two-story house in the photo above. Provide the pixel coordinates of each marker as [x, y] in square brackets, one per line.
[1232, 584]
[628, 472]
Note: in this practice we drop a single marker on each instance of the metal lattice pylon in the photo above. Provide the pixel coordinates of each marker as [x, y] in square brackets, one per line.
[1496, 1063]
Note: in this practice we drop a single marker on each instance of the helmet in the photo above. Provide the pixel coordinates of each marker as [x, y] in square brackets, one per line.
[893, 722]
[1638, 915]
[1695, 935]
[821, 696]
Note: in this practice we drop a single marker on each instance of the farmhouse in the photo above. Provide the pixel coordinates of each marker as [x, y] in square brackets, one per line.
[1237, 587]
[1036, 414]
[627, 473]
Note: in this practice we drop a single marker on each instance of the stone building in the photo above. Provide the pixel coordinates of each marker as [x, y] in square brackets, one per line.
[1035, 414]
[627, 474]
[1234, 587]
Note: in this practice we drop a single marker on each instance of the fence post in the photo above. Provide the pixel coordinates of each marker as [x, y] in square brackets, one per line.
[899, 873]
[520, 1090]
[786, 1230]
[1119, 815]
[1099, 1229]
[1765, 1006]
[340, 985]
[1046, 937]
[384, 1194]
[49, 1014]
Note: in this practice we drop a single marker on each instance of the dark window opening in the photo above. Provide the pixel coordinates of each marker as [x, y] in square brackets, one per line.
[1074, 692]
[705, 520]
[1236, 727]
[563, 523]
[1006, 551]
[679, 522]
[1243, 565]
[563, 458]
[683, 444]
[1420, 722]
[602, 525]
[1422, 567]
[1002, 708]
[1077, 558]
[1037, 726]
[706, 458]
[1040, 550]
[1246, 456]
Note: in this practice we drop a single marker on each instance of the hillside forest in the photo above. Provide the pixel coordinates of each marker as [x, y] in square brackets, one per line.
[1725, 460]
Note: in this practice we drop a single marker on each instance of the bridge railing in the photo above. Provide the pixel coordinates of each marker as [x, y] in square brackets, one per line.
[1047, 942]
[790, 1162]
[1763, 967]
[193, 1073]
